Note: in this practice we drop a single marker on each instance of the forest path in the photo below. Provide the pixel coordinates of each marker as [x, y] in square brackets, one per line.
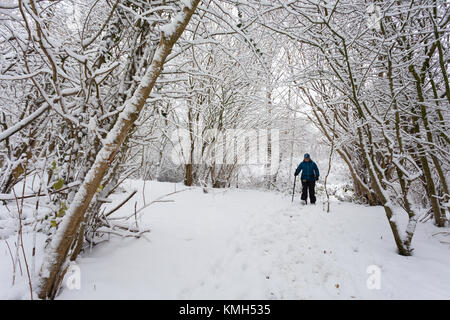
[245, 244]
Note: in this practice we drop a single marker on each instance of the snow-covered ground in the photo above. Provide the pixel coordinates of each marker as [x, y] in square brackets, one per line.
[245, 244]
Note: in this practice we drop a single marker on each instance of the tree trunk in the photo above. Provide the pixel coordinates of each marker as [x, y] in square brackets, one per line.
[58, 251]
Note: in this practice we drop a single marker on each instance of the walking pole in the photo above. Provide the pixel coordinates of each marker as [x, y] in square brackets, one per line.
[293, 190]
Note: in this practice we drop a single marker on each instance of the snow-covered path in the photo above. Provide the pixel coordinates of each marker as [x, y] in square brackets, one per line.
[242, 244]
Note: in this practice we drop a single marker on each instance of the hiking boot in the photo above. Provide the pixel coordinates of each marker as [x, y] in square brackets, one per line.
[304, 202]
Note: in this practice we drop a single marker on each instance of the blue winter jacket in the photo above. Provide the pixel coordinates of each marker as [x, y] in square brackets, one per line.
[309, 170]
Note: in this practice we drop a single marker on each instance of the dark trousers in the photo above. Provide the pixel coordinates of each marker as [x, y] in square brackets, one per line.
[309, 186]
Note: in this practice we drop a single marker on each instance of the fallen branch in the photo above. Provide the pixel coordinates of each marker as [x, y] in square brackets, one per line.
[154, 201]
[125, 234]
[426, 216]
[121, 204]
[442, 232]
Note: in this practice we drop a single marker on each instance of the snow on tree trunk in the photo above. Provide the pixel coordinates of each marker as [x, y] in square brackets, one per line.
[55, 262]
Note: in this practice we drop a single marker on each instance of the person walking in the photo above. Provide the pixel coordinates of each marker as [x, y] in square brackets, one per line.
[310, 174]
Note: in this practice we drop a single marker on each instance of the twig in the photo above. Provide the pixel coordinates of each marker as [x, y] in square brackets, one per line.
[6, 197]
[121, 204]
[138, 235]
[329, 164]
[120, 182]
[135, 213]
[20, 237]
[442, 232]
[143, 193]
[156, 200]
[12, 259]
